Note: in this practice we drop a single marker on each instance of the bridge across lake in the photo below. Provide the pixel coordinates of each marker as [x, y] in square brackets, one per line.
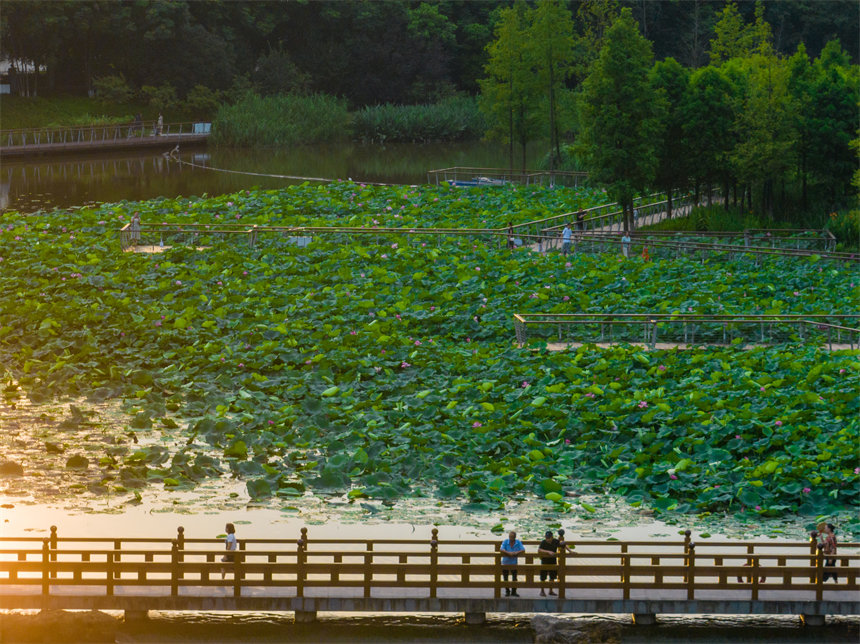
[304, 575]
[143, 134]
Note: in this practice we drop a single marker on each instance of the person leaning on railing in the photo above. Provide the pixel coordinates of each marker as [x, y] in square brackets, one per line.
[511, 548]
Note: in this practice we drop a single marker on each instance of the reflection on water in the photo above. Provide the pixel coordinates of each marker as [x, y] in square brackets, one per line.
[341, 628]
[74, 181]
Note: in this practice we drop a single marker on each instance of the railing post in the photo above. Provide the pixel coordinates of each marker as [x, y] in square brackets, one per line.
[180, 541]
[53, 545]
[754, 564]
[174, 569]
[368, 569]
[691, 572]
[115, 556]
[238, 560]
[46, 572]
[625, 572]
[301, 548]
[819, 575]
[434, 561]
[813, 550]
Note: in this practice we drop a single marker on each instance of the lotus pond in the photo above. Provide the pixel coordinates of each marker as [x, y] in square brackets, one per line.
[376, 370]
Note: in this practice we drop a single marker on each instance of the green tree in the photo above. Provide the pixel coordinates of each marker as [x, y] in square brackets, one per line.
[733, 38]
[619, 115]
[551, 40]
[669, 82]
[509, 92]
[765, 137]
[708, 113]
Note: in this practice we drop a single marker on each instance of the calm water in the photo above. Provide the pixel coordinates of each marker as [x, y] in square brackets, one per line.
[65, 181]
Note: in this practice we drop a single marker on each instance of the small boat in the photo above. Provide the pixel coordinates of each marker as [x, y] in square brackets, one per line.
[477, 181]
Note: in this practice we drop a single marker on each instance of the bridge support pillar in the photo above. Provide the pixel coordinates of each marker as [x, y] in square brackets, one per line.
[306, 616]
[812, 620]
[475, 619]
[135, 615]
[644, 619]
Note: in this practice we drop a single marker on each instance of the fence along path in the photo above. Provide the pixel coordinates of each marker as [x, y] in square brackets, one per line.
[536, 235]
[684, 330]
[306, 575]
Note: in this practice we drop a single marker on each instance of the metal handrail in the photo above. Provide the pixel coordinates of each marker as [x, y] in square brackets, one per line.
[93, 133]
[651, 324]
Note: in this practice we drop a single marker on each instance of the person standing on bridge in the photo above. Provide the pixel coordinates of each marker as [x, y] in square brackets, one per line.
[625, 243]
[159, 125]
[511, 548]
[828, 547]
[230, 544]
[511, 244]
[580, 220]
[565, 239]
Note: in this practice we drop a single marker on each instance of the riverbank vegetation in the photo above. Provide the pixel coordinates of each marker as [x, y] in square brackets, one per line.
[452, 119]
[379, 368]
[282, 120]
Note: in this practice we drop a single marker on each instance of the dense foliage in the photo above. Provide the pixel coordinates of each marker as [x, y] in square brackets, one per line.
[381, 367]
[281, 121]
[368, 52]
[451, 119]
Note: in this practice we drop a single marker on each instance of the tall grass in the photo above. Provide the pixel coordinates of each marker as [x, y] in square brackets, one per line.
[283, 120]
[452, 119]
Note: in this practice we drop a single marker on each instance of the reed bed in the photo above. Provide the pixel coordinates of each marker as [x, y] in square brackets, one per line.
[452, 119]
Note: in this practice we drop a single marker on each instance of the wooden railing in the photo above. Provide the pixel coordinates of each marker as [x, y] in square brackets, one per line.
[129, 566]
[690, 328]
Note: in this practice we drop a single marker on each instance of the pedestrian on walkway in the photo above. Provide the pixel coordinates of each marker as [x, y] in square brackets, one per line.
[625, 243]
[159, 125]
[230, 544]
[511, 549]
[565, 239]
[828, 547]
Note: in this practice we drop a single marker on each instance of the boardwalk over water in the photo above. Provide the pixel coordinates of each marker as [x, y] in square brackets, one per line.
[643, 578]
[40, 141]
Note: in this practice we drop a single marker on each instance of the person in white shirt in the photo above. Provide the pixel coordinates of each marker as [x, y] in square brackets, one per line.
[230, 543]
[565, 240]
[625, 243]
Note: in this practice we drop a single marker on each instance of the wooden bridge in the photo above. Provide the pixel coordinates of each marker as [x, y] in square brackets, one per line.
[305, 575]
[46, 140]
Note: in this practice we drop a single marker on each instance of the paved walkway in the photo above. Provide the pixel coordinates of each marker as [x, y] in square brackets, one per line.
[665, 346]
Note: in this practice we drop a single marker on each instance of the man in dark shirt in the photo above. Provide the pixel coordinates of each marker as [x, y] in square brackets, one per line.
[547, 549]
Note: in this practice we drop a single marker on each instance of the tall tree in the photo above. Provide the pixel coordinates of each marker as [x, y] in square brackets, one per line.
[708, 111]
[509, 92]
[619, 115]
[669, 83]
[551, 44]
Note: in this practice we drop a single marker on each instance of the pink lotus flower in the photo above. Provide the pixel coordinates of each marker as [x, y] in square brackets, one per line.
[643, 404]
[661, 368]
[477, 424]
[807, 490]
[779, 423]
[241, 364]
[432, 308]
[567, 441]
[418, 343]
[761, 389]
[737, 435]
[673, 477]
[525, 384]
[478, 268]
[758, 507]
[565, 298]
[271, 422]
[404, 365]
[352, 332]
[589, 395]
[178, 282]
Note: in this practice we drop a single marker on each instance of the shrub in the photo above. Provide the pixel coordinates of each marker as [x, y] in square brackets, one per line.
[202, 100]
[275, 73]
[286, 119]
[452, 119]
[845, 226]
[113, 89]
[160, 98]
